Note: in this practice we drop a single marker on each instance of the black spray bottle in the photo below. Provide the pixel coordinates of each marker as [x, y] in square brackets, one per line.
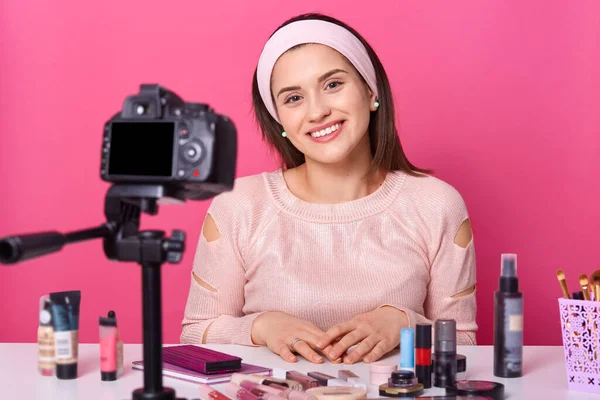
[508, 321]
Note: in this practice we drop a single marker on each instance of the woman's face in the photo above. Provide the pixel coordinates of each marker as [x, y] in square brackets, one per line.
[322, 103]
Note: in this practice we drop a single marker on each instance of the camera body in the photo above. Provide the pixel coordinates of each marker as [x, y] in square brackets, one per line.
[157, 138]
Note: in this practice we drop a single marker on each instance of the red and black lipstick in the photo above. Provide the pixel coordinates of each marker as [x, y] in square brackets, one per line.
[423, 368]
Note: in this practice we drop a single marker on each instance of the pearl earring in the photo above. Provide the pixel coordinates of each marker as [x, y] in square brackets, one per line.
[376, 104]
[283, 134]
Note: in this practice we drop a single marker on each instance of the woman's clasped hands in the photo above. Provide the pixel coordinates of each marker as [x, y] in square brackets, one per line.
[374, 334]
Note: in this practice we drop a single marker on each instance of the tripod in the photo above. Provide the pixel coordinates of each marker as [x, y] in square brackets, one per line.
[123, 241]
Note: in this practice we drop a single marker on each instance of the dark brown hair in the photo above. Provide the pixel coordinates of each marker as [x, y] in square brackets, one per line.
[385, 144]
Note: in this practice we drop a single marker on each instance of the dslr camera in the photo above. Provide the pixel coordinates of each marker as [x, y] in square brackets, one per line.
[159, 139]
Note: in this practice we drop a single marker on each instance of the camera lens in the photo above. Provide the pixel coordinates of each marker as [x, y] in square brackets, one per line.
[140, 109]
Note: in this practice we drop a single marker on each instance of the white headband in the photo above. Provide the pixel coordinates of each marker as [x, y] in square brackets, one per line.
[311, 31]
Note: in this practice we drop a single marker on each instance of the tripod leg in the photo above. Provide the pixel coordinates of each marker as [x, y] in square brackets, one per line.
[152, 300]
[152, 328]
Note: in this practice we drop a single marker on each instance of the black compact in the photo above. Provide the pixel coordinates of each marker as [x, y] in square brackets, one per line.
[494, 390]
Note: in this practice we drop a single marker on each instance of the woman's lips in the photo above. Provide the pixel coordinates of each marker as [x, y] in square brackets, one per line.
[330, 136]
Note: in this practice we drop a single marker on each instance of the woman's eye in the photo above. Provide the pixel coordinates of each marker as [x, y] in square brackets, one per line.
[292, 99]
[333, 85]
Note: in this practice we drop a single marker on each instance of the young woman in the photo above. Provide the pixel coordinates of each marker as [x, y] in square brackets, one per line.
[346, 244]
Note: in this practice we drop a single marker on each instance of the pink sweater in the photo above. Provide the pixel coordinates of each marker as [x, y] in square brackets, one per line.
[327, 263]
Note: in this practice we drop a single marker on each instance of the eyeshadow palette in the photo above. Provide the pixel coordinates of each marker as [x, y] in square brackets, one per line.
[201, 359]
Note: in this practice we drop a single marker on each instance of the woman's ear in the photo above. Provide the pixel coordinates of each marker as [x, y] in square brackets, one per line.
[372, 98]
[373, 103]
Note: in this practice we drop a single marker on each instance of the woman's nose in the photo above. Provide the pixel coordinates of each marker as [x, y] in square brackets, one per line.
[318, 108]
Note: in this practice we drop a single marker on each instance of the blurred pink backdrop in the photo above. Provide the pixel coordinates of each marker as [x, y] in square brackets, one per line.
[499, 98]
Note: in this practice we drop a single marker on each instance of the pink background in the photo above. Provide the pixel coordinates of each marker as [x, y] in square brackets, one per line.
[499, 98]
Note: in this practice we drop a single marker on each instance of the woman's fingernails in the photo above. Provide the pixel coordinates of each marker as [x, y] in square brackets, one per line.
[367, 360]
[339, 360]
[320, 344]
[318, 359]
[332, 354]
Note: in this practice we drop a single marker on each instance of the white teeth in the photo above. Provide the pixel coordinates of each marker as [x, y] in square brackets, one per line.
[325, 131]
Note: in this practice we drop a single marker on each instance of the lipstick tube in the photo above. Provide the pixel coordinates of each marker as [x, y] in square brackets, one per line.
[281, 391]
[349, 376]
[306, 381]
[208, 393]
[265, 380]
[258, 389]
[323, 379]
[240, 393]
[423, 367]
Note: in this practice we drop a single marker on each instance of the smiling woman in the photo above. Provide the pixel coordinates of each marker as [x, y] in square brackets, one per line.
[348, 242]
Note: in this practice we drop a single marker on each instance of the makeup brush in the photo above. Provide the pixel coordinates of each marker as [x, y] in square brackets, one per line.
[596, 287]
[595, 290]
[563, 283]
[583, 281]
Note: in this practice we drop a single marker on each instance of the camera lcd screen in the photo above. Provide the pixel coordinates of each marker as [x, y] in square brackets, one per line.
[141, 148]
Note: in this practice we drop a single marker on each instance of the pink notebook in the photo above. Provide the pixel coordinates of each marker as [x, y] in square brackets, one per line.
[183, 374]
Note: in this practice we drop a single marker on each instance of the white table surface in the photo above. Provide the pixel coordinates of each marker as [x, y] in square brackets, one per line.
[544, 373]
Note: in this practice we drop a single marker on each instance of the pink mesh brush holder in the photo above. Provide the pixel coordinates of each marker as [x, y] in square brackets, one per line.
[580, 322]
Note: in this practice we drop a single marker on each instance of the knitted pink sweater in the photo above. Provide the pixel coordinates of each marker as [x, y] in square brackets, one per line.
[327, 263]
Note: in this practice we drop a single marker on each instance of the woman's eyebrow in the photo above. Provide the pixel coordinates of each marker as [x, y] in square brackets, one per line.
[321, 79]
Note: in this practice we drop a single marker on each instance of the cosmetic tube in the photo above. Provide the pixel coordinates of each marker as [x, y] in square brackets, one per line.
[120, 369]
[208, 393]
[445, 353]
[108, 348]
[407, 349]
[65, 320]
[45, 338]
